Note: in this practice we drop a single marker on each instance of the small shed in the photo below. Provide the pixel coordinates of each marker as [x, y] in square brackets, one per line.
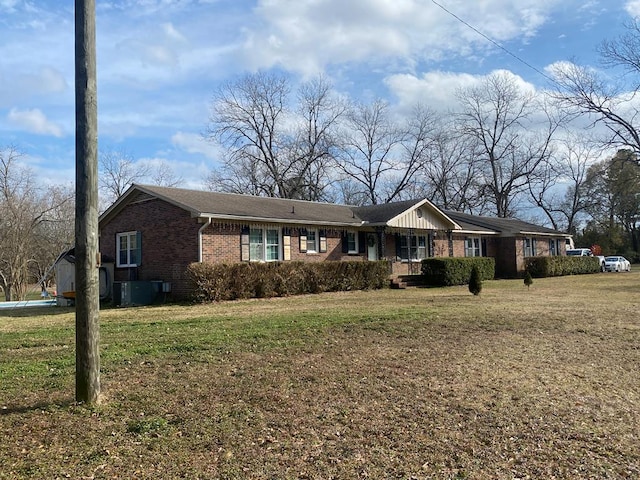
[65, 271]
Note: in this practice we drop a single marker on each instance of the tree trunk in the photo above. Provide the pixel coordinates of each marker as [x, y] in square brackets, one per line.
[86, 231]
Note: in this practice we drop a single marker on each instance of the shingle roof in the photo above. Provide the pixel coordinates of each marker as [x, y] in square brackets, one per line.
[383, 212]
[236, 206]
[505, 226]
[202, 203]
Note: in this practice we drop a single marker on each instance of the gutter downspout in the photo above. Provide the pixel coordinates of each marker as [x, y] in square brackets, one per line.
[202, 228]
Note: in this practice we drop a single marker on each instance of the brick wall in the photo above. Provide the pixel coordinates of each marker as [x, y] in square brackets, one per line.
[221, 244]
[169, 242]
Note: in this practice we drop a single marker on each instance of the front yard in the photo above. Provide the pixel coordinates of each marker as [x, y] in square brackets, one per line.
[417, 383]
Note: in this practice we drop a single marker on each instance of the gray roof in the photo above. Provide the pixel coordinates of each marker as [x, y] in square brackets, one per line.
[247, 207]
[232, 206]
[383, 212]
[505, 226]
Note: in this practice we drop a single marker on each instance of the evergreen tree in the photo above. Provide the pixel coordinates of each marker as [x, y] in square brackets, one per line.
[475, 282]
[528, 280]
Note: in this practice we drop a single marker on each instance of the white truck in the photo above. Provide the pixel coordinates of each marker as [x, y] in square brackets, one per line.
[585, 252]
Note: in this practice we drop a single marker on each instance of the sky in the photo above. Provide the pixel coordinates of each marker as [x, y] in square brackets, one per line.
[160, 62]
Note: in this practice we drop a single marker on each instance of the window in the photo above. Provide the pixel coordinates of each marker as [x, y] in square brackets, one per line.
[352, 242]
[529, 247]
[128, 249]
[472, 247]
[413, 247]
[272, 245]
[312, 241]
[264, 244]
[552, 248]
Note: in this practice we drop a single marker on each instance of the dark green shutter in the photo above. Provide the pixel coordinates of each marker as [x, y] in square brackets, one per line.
[138, 249]
[362, 242]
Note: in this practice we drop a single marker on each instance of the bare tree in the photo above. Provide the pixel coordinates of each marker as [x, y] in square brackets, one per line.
[513, 132]
[596, 95]
[419, 138]
[26, 211]
[560, 190]
[163, 174]
[118, 171]
[272, 148]
[246, 118]
[313, 143]
[54, 234]
[370, 153]
[448, 178]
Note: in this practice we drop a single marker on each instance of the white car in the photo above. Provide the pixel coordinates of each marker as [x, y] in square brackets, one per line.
[617, 264]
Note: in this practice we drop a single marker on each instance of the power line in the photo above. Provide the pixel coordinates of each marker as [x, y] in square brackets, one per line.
[504, 49]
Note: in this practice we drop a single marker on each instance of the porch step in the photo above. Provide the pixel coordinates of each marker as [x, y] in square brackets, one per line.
[396, 284]
[404, 281]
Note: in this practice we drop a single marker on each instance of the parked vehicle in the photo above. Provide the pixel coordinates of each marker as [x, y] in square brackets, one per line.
[586, 252]
[617, 264]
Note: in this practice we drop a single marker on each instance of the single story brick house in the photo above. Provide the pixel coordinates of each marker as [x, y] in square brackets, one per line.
[155, 232]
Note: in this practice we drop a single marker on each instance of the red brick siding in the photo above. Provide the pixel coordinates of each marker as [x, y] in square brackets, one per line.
[169, 242]
[221, 244]
[458, 245]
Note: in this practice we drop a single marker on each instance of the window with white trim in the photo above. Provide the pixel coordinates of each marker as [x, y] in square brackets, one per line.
[352, 242]
[553, 247]
[414, 247]
[529, 247]
[128, 249]
[264, 244]
[312, 241]
[472, 247]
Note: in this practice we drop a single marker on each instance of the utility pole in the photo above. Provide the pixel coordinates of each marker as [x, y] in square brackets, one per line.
[86, 227]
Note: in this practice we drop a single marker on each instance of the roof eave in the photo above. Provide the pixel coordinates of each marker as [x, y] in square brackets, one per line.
[477, 232]
[545, 234]
[242, 218]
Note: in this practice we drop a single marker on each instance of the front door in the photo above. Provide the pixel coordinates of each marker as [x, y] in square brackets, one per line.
[372, 247]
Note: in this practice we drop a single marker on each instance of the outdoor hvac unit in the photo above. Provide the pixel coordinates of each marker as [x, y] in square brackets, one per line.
[136, 292]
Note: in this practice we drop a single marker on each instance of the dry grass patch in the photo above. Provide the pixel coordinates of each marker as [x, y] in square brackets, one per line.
[421, 383]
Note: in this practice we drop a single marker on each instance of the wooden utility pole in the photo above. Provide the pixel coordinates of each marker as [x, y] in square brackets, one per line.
[86, 231]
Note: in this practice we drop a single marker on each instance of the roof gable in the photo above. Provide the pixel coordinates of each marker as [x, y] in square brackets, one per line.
[413, 214]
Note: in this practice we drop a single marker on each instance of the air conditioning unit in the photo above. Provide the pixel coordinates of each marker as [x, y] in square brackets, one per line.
[136, 293]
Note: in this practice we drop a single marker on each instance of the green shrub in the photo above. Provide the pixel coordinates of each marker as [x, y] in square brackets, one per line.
[475, 282]
[528, 280]
[456, 271]
[217, 282]
[560, 265]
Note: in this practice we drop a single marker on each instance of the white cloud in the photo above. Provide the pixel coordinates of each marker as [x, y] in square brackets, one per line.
[633, 8]
[34, 121]
[306, 36]
[46, 81]
[195, 144]
[438, 89]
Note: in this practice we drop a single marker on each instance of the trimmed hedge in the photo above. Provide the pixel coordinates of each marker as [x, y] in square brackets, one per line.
[557, 266]
[212, 282]
[441, 272]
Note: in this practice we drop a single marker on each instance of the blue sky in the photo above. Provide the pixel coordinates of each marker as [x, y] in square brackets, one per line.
[159, 62]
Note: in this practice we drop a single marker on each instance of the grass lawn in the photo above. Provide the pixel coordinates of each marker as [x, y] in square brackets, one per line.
[409, 384]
